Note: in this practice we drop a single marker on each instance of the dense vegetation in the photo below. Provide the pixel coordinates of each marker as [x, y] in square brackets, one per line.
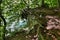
[30, 20]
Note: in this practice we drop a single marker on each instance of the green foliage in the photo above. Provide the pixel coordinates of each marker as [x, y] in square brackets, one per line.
[12, 10]
[52, 3]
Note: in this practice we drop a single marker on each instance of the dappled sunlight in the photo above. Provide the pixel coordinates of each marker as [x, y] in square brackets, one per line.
[30, 20]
